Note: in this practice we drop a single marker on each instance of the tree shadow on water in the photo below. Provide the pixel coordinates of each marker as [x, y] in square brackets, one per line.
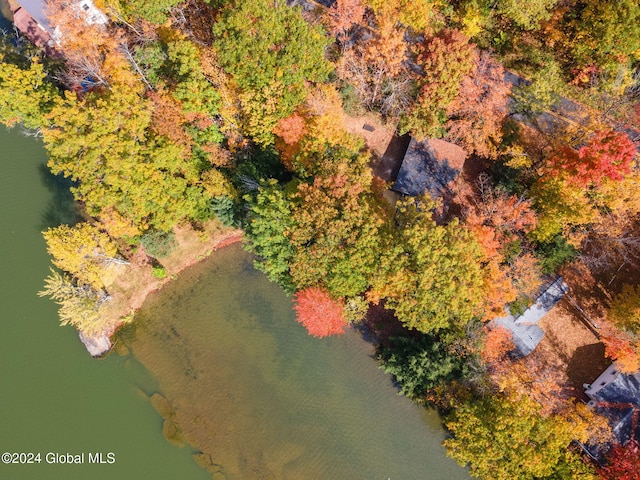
[61, 208]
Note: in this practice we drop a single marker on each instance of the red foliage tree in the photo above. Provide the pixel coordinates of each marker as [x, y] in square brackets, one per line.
[319, 313]
[623, 462]
[607, 155]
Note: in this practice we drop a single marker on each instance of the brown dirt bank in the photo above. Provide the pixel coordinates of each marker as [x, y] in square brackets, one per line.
[135, 281]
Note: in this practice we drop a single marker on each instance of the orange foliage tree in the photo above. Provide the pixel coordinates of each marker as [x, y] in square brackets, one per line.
[620, 347]
[90, 50]
[317, 125]
[343, 15]
[291, 129]
[533, 377]
[499, 221]
[477, 113]
[319, 313]
[498, 342]
[169, 120]
[374, 67]
[507, 215]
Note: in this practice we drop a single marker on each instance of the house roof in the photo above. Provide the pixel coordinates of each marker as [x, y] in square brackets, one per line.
[429, 166]
[38, 10]
[545, 302]
[34, 31]
[616, 395]
[525, 333]
[525, 337]
[613, 386]
[310, 5]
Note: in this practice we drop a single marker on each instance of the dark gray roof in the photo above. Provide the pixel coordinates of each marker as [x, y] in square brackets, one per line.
[422, 172]
[616, 395]
[38, 10]
[623, 388]
[525, 337]
[545, 302]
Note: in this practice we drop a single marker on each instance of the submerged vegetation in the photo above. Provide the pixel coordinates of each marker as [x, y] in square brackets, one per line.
[176, 115]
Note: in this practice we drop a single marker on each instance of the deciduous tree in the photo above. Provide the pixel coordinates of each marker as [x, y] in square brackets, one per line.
[527, 15]
[26, 95]
[608, 155]
[541, 92]
[374, 67]
[337, 221]
[326, 127]
[271, 52]
[431, 276]
[152, 10]
[104, 143]
[509, 216]
[344, 14]
[622, 347]
[604, 32]
[625, 309]
[561, 206]
[498, 341]
[416, 15]
[319, 313]
[446, 59]
[291, 129]
[503, 438]
[87, 253]
[79, 305]
[92, 54]
[500, 222]
[623, 462]
[475, 116]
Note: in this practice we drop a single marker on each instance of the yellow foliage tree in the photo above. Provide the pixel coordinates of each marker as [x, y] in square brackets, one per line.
[414, 14]
[79, 305]
[506, 437]
[625, 309]
[85, 252]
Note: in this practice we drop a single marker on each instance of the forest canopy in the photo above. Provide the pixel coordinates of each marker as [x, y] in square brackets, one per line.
[288, 120]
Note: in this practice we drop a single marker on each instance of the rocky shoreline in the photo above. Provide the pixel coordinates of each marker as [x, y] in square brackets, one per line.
[96, 345]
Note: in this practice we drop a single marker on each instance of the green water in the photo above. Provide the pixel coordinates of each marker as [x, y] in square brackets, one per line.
[247, 385]
[53, 396]
[266, 401]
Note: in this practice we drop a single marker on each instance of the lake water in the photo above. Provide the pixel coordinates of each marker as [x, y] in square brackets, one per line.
[263, 399]
[53, 396]
[246, 385]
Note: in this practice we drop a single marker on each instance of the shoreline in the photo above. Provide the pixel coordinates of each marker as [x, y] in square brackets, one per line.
[135, 282]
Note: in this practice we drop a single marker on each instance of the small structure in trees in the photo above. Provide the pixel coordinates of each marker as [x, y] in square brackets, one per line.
[427, 168]
[430, 166]
[31, 18]
[524, 329]
[310, 5]
[616, 395]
